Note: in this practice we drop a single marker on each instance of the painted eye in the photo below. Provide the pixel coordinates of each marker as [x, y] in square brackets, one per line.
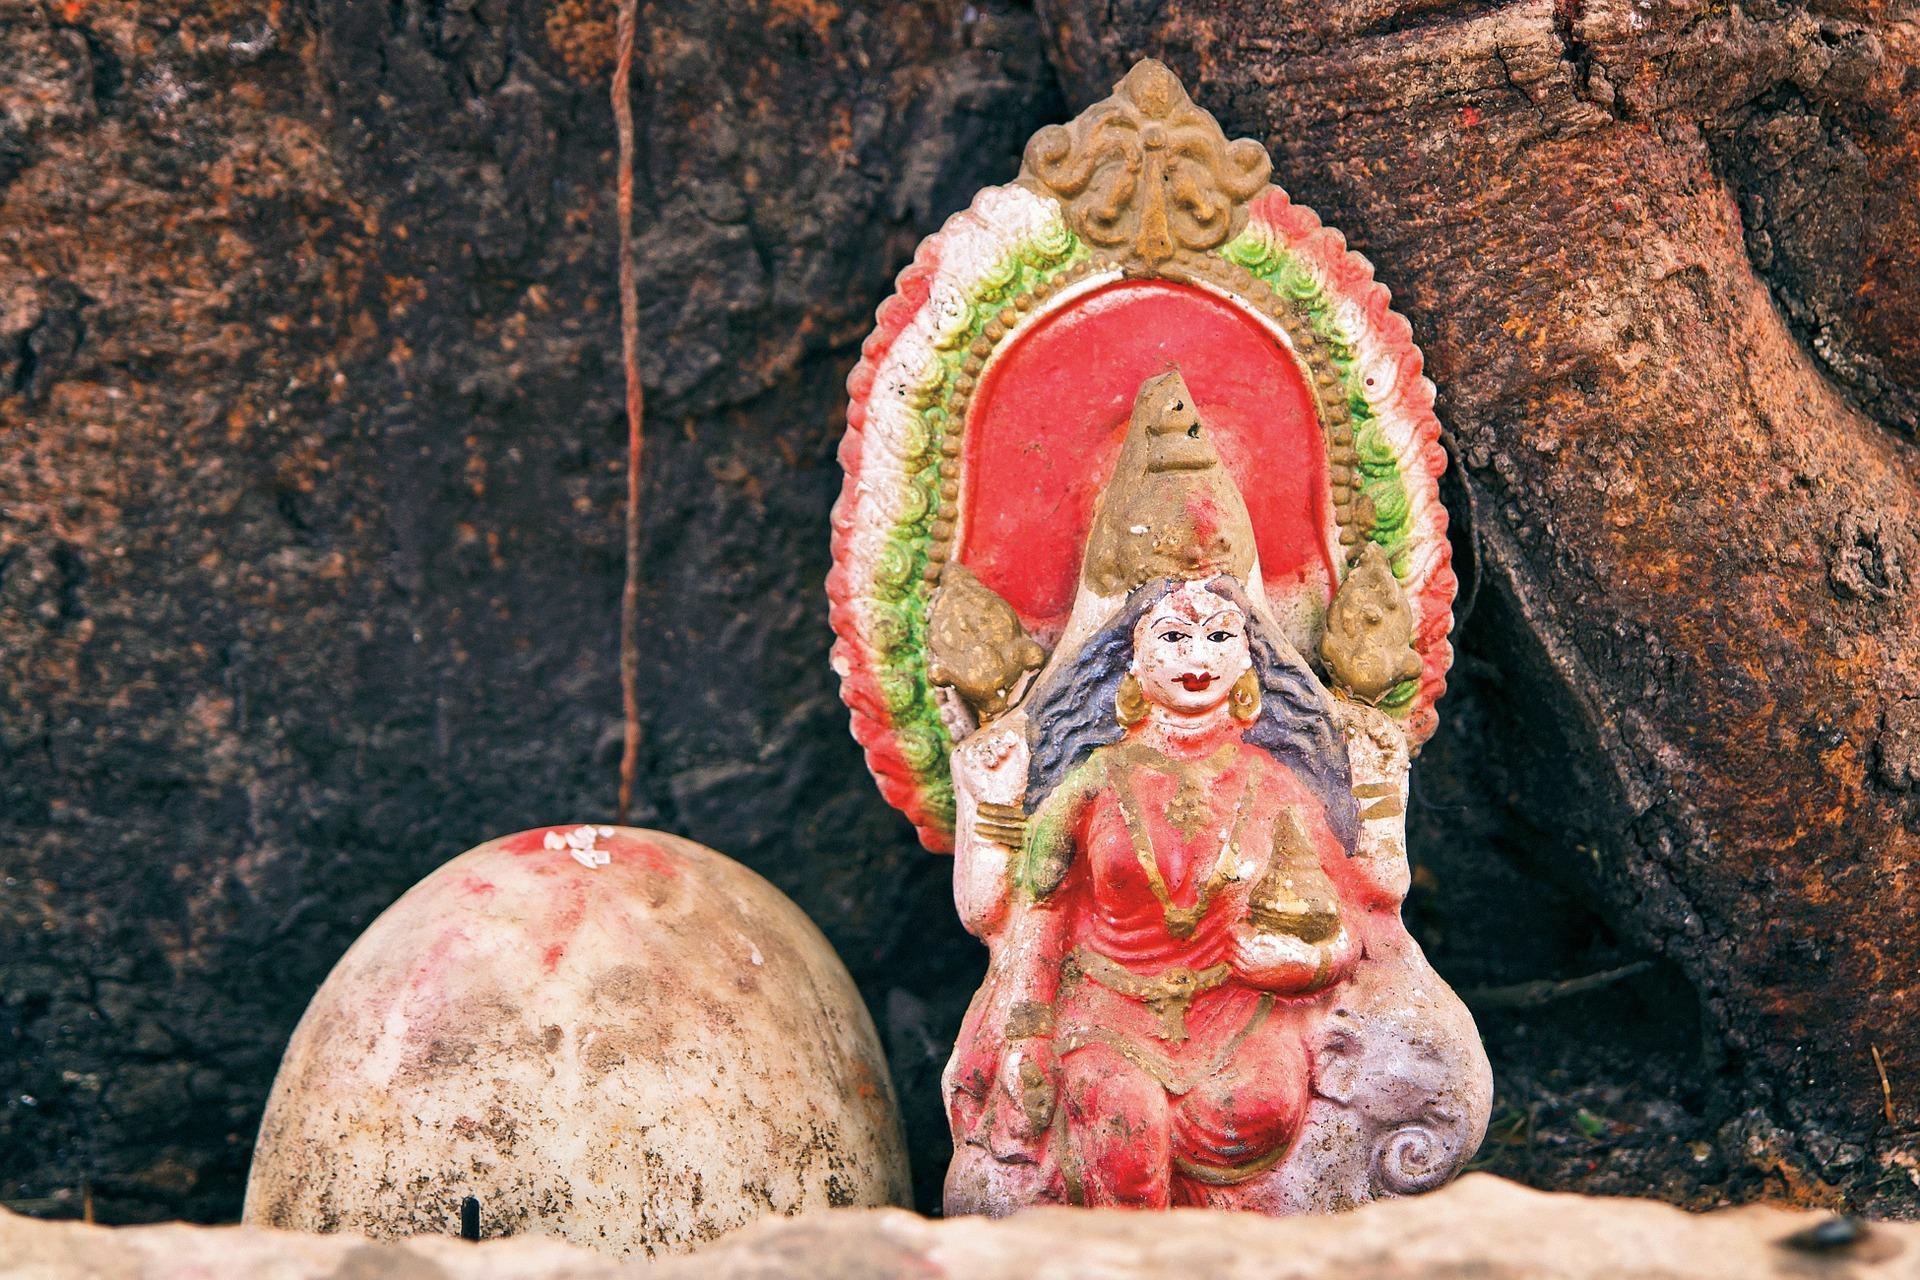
[1220, 637]
[1173, 637]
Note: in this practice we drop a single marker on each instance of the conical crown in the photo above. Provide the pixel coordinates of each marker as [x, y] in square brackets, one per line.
[1169, 509]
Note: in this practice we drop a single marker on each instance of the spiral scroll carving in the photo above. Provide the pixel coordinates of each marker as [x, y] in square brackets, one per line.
[1411, 1159]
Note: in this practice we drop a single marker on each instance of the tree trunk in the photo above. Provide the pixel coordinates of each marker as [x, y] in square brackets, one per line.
[311, 473]
[311, 490]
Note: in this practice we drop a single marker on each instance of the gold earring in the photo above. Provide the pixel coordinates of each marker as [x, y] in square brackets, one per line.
[1245, 699]
[1130, 701]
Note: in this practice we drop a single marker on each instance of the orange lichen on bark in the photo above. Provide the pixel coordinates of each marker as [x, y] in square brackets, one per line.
[581, 33]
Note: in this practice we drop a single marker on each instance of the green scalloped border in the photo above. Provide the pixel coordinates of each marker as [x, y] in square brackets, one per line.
[1379, 467]
[897, 629]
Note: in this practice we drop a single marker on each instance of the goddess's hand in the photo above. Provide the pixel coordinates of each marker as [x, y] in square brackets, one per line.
[1280, 962]
[1030, 1074]
[994, 763]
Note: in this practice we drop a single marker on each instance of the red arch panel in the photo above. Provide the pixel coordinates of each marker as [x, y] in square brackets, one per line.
[1046, 424]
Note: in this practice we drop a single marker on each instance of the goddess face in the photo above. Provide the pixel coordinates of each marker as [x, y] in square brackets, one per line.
[1189, 649]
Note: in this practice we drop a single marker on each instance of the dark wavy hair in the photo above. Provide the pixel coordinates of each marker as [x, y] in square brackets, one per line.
[1072, 711]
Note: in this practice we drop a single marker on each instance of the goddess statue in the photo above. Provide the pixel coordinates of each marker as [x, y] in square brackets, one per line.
[1165, 857]
[1161, 708]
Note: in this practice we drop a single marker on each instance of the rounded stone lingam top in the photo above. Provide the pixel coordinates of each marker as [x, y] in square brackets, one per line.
[605, 1034]
[1141, 592]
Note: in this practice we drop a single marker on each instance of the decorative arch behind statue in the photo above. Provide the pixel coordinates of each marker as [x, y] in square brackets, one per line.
[1142, 591]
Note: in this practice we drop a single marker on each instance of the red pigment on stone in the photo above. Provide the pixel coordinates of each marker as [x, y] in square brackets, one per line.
[433, 962]
[573, 909]
[529, 841]
[648, 855]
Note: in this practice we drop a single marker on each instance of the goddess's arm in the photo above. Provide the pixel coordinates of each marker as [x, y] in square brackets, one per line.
[1031, 947]
[1377, 752]
[1298, 933]
[1053, 832]
[1038, 925]
[989, 785]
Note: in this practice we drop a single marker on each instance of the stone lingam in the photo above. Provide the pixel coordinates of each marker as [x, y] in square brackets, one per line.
[605, 1034]
[1142, 594]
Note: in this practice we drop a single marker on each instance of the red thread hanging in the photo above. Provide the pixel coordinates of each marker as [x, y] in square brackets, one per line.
[636, 407]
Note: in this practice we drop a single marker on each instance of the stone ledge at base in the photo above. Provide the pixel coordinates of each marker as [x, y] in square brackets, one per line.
[1480, 1227]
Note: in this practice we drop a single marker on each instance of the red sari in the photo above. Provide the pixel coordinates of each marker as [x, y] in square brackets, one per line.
[1180, 1068]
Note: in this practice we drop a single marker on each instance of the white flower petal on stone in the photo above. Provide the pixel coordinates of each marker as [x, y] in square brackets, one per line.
[604, 831]
[585, 858]
[554, 840]
[581, 837]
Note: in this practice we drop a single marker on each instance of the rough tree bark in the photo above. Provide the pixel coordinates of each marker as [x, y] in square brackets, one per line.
[310, 488]
[311, 481]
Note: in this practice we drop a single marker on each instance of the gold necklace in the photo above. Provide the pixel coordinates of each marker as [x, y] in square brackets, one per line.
[1181, 921]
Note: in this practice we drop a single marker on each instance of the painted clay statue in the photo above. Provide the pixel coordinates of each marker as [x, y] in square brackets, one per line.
[1135, 437]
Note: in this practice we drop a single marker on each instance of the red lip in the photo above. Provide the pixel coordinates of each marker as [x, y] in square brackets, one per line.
[1196, 683]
